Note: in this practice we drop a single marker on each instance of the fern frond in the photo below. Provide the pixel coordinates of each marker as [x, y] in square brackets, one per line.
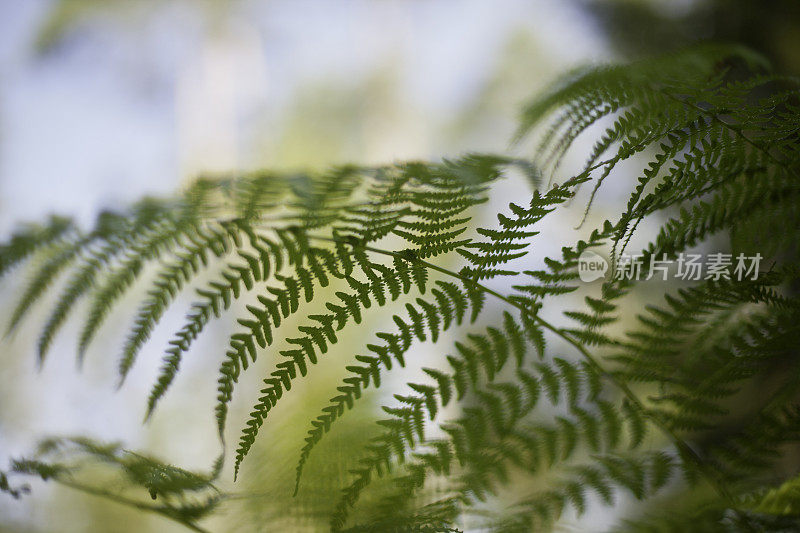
[169, 282]
[715, 140]
[26, 241]
[450, 308]
[156, 240]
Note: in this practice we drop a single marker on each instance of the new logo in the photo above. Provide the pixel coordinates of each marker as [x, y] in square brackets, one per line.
[591, 266]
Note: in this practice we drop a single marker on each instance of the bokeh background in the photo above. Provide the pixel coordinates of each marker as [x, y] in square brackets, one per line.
[103, 102]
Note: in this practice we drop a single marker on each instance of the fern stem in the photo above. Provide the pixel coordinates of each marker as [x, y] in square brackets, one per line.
[686, 450]
[122, 500]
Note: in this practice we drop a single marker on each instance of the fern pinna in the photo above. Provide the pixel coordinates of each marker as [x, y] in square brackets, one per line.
[531, 413]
